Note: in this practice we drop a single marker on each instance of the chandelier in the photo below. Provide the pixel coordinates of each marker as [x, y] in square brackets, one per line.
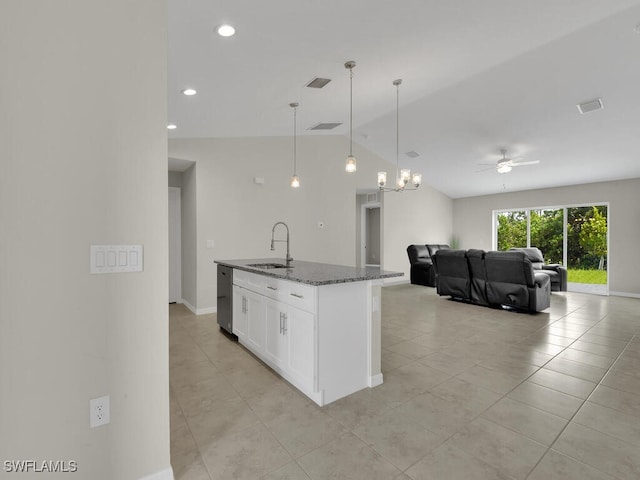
[403, 176]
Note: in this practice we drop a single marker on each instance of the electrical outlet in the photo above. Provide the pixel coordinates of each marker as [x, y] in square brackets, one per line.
[99, 411]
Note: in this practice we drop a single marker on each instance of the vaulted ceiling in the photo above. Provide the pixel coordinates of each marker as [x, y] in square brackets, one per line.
[477, 77]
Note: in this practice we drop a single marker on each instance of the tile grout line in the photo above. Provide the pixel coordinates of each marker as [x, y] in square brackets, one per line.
[184, 416]
[550, 447]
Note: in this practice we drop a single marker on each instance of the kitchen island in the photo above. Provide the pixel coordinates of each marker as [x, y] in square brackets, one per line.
[317, 325]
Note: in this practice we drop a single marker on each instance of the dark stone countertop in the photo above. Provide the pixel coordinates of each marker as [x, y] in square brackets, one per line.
[311, 273]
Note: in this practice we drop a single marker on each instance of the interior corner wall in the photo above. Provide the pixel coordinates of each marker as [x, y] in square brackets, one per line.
[472, 221]
[414, 217]
[175, 179]
[83, 145]
[238, 214]
[189, 232]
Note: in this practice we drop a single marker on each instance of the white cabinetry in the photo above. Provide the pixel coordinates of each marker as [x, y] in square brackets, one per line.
[248, 317]
[316, 337]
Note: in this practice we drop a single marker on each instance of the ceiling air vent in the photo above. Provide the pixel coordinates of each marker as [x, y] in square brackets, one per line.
[412, 154]
[590, 106]
[318, 82]
[372, 197]
[325, 126]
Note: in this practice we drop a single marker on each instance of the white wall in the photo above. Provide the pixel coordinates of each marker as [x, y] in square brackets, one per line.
[238, 214]
[83, 161]
[473, 221]
[416, 217]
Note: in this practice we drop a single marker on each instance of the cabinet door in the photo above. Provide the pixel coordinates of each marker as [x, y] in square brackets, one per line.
[255, 311]
[300, 332]
[239, 313]
[276, 341]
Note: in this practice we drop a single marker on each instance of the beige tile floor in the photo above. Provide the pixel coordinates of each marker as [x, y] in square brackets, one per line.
[469, 393]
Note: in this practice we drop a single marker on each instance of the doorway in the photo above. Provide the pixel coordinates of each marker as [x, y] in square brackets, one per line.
[175, 246]
[370, 235]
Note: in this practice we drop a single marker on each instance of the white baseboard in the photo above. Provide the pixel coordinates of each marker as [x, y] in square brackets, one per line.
[199, 311]
[205, 311]
[166, 474]
[388, 282]
[189, 306]
[375, 380]
[625, 294]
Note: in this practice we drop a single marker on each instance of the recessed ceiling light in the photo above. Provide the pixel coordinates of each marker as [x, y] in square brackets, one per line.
[172, 126]
[225, 30]
[189, 91]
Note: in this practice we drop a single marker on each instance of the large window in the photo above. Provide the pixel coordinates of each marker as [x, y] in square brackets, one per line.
[575, 236]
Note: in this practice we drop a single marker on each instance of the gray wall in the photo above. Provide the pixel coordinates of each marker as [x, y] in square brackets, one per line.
[473, 221]
[175, 179]
[189, 243]
[238, 214]
[83, 143]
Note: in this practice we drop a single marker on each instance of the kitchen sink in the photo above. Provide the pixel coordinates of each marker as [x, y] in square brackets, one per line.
[268, 265]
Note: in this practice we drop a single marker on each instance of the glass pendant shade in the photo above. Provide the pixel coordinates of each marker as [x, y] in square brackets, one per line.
[417, 179]
[382, 179]
[295, 182]
[350, 167]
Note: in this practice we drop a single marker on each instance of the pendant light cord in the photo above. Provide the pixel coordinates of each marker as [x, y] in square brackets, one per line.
[295, 111]
[351, 111]
[397, 129]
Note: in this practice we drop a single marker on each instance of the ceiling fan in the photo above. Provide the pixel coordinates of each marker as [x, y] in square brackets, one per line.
[505, 164]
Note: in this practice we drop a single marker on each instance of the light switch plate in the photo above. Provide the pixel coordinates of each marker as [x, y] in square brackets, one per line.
[116, 258]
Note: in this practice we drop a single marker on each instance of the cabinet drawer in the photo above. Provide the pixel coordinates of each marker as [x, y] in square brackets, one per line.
[300, 295]
[248, 280]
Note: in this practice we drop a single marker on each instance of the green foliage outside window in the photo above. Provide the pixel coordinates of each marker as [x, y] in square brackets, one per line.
[586, 237]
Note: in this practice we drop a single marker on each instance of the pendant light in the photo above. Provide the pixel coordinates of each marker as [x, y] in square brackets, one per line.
[295, 181]
[350, 166]
[402, 175]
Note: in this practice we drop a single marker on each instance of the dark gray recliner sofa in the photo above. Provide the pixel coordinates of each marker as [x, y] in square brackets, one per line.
[512, 281]
[421, 260]
[557, 273]
[492, 279]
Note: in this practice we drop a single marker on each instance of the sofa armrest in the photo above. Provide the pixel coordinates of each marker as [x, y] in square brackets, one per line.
[541, 280]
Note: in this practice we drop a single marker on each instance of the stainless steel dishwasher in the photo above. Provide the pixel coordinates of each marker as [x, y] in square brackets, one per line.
[225, 298]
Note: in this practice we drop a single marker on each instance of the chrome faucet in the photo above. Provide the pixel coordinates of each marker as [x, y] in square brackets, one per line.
[273, 231]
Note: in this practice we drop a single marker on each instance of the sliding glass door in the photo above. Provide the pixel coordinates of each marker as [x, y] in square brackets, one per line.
[587, 248]
[575, 236]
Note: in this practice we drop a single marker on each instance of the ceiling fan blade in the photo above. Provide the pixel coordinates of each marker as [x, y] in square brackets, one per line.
[492, 167]
[530, 162]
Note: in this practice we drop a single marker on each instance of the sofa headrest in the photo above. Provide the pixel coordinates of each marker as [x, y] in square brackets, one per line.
[533, 253]
[509, 267]
[433, 248]
[417, 252]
